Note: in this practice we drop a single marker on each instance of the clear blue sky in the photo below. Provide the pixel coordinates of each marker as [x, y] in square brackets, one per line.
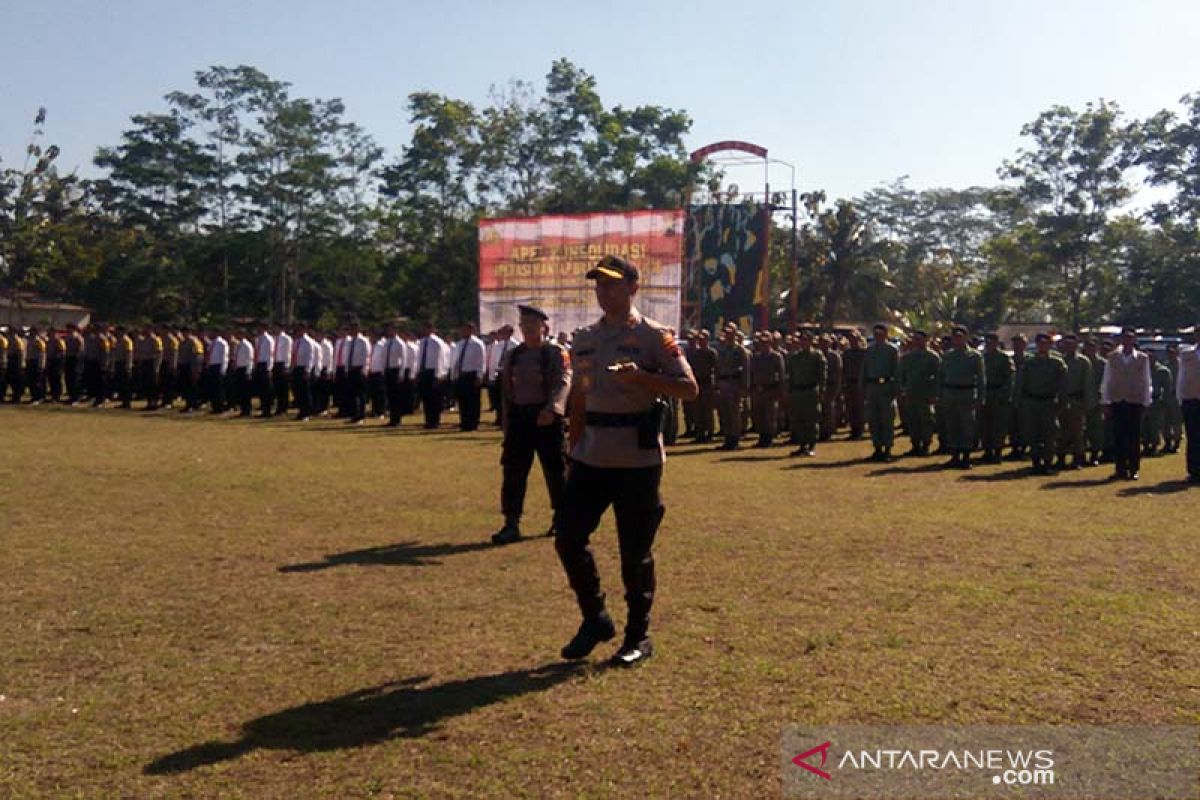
[853, 93]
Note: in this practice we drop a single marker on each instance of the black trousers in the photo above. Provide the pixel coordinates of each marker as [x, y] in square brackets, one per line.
[494, 400]
[356, 393]
[245, 391]
[93, 380]
[166, 383]
[378, 394]
[55, 373]
[16, 379]
[188, 388]
[71, 377]
[1191, 424]
[263, 387]
[408, 395]
[466, 389]
[279, 381]
[430, 391]
[394, 388]
[637, 505]
[321, 389]
[214, 388]
[523, 438]
[1127, 433]
[302, 392]
[123, 384]
[340, 394]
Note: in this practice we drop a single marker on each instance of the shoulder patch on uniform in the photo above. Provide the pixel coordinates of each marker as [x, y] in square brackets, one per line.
[669, 344]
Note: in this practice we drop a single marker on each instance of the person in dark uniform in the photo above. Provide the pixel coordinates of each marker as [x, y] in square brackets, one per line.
[622, 366]
[535, 378]
[702, 358]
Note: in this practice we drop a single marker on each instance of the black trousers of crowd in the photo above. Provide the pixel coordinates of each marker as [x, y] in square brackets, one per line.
[302, 392]
[466, 389]
[16, 379]
[214, 389]
[1191, 424]
[71, 377]
[148, 382]
[634, 496]
[245, 390]
[322, 389]
[394, 389]
[430, 391]
[524, 438]
[279, 382]
[495, 401]
[377, 391]
[1127, 436]
[55, 374]
[123, 384]
[263, 388]
[356, 394]
[188, 388]
[166, 383]
[341, 396]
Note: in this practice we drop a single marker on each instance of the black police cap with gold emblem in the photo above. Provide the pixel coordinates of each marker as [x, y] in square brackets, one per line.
[614, 267]
[533, 311]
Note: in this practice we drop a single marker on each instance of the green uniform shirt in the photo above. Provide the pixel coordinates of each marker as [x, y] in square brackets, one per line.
[919, 374]
[733, 364]
[806, 369]
[1043, 377]
[881, 363]
[963, 370]
[1079, 376]
[999, 371]
[766, 370]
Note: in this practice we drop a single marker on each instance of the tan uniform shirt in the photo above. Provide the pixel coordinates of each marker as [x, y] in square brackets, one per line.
[645, 343]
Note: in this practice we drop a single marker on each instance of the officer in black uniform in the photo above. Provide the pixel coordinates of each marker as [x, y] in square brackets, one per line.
[622, 367]
[535, 378]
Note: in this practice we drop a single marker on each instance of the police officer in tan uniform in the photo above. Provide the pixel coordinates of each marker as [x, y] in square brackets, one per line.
[623, 366]
[535, 377]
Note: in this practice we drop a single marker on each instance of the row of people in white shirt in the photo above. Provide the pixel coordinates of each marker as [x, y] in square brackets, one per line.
[407, 354]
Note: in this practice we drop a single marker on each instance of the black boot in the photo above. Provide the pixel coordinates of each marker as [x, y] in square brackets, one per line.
[592, 631]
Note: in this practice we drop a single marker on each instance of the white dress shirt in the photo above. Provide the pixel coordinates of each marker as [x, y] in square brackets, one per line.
[326, 355]
[411, 358]
[264, 349]
[434, 354]
[218, 355]
[495, 359]
[244, 356]
[357, 352]
[306, 353]
[395, 353]
[468, 356]
[1127, 379]
[377, 355]
[283, 350]
[1187, 384]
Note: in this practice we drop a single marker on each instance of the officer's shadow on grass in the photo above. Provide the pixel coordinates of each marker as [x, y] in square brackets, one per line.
[409, 708]
[816, 463]
[1087, 483]
[936, 466]
[1019, 473]
[401, 554]
[1166, 487]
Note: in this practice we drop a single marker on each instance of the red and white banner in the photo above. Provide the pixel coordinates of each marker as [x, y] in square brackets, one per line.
[542, 261]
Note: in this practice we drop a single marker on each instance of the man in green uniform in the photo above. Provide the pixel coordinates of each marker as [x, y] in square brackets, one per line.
[997, 400]
[1155, 416]
[831, 398]
[766, 379]
[1016, 435]
[733, 381]
[961, 382]
[1172, 411]
[703, 360]
[918, 390]
[1072, 413]
[1093, 427]
[806, 375]
[622, 366]
[853, 404]
[880, 367]
[1040, 387]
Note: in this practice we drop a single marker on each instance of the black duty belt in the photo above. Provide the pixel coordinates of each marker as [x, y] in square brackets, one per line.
[603, 419]
[803, 387]
[958, 386]
[880, 380]
[1039, 396]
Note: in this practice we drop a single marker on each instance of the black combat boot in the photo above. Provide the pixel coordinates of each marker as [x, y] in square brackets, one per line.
[592, 631]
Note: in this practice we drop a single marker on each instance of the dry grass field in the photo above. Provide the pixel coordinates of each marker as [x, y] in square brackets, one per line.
[195, 607]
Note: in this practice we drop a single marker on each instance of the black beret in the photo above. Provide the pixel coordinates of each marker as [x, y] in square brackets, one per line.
[614, 267]
[534, 311]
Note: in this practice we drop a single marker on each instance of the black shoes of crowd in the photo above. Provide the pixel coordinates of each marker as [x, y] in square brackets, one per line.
[634, 649]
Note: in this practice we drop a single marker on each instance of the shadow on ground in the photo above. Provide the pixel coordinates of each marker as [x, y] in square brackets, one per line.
[401, 554]
[401, 709]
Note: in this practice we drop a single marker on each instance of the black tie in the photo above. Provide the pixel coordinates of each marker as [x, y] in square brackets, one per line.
[425, 353]
[462, 355]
